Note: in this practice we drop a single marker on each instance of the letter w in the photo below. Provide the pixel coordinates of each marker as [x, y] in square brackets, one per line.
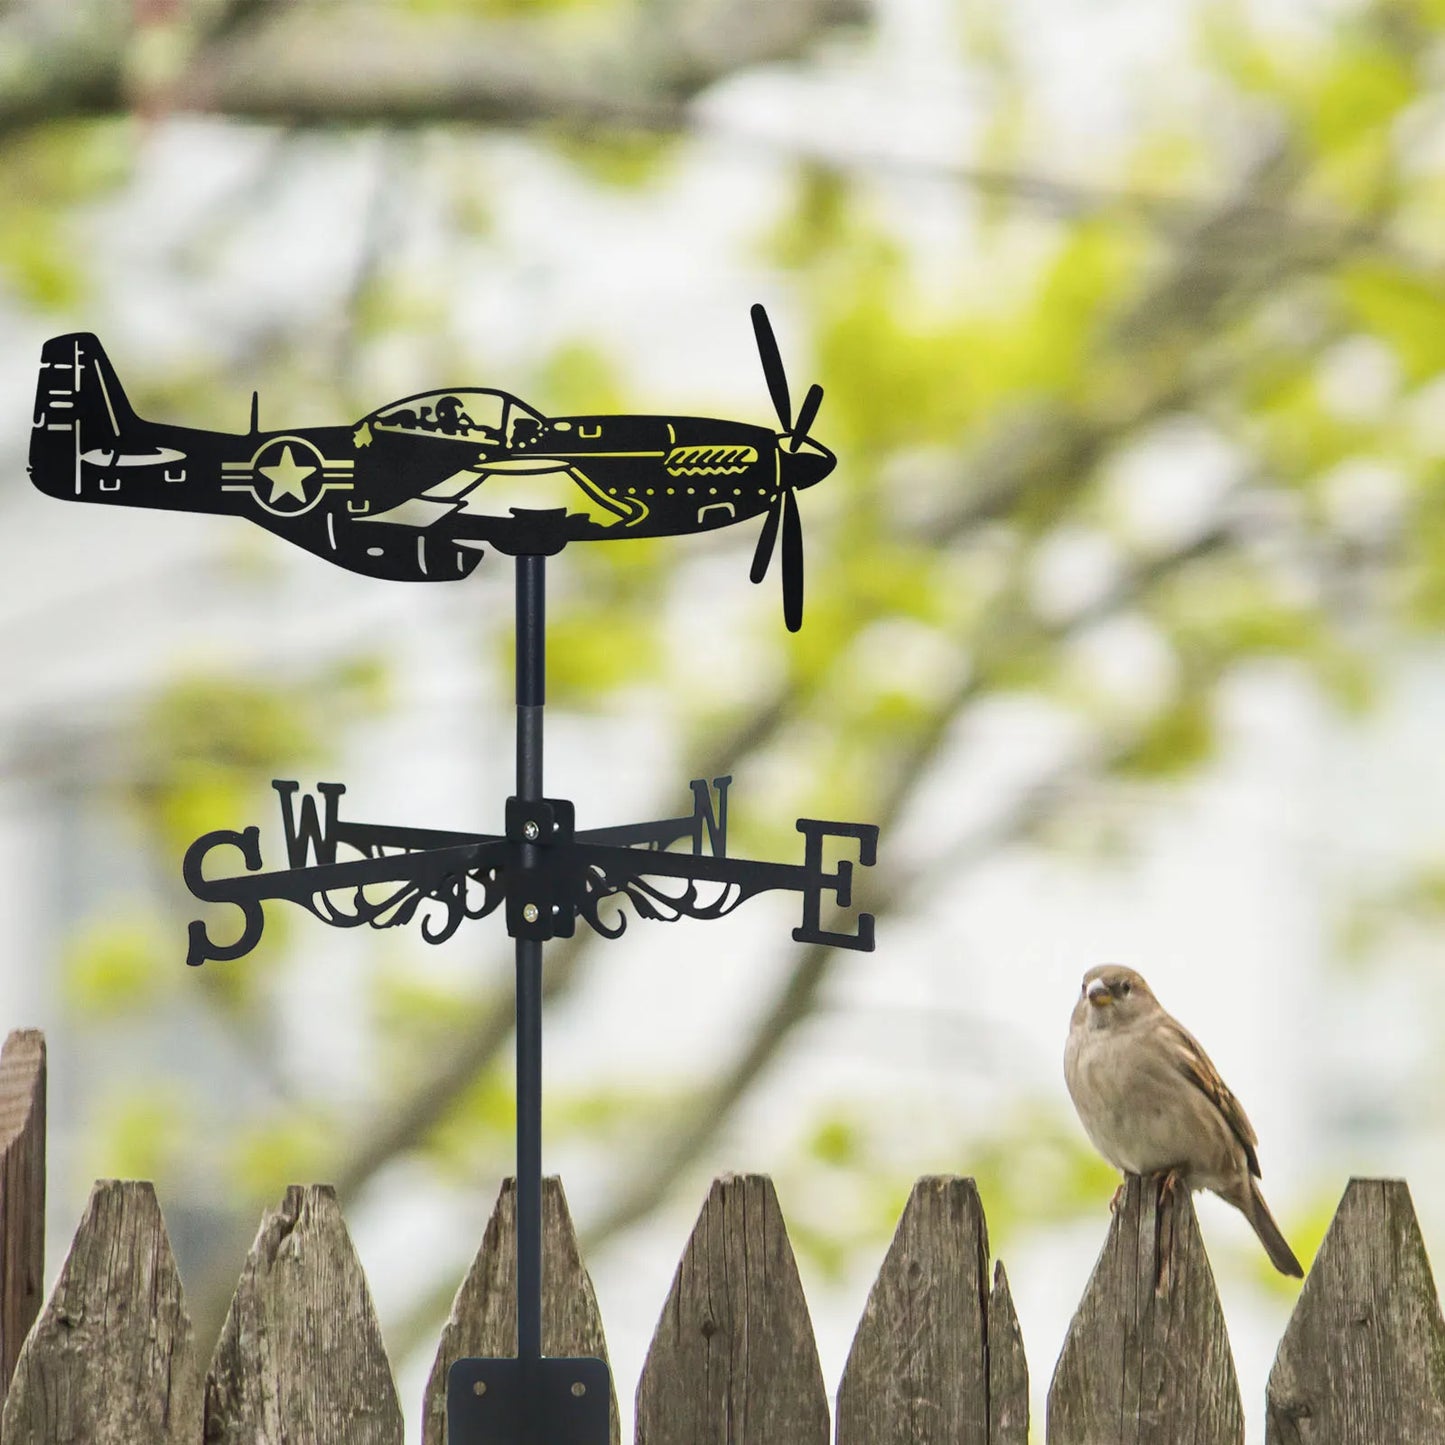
[312, 835]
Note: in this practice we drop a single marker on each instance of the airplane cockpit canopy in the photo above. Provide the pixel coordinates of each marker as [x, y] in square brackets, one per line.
[469, 415]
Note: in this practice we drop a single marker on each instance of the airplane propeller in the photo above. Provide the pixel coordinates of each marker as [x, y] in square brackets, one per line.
[783, 514]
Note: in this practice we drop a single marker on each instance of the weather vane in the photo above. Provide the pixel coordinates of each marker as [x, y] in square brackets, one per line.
[416, 491]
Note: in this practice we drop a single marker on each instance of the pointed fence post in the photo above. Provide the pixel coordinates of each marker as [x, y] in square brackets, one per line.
[112, 1359]
[937, 1358]
[1363, 1358]
[1008, 1369]
[1147, 1360]
[484, 1313]
[300, 1355]
[733, 1361]
[22, 1192]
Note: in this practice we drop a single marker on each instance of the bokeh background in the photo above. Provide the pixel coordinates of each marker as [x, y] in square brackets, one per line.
[1125, 607]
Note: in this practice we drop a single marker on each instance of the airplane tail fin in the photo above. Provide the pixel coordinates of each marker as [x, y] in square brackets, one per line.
[79, 407]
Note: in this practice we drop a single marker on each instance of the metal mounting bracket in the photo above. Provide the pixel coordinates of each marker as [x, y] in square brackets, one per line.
[528, 1402]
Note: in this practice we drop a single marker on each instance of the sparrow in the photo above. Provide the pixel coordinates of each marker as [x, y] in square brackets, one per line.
[1151, 1101]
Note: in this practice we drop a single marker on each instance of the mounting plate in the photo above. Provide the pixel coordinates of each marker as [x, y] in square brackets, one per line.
[528, 1402]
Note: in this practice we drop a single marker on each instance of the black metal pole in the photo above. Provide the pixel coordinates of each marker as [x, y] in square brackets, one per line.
[531, 696]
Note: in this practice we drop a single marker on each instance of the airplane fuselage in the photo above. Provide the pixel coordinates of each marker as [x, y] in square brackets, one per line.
[415, 490]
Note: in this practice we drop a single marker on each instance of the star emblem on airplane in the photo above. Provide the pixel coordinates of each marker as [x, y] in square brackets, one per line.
[286, 477]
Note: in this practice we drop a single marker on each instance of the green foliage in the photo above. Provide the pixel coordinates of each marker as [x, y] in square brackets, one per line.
[1224, 615]
[111, 965]
[478, 1132]
[207, 745]
[1403, 308]
[139, 1131]
[1377, 916]
[1355, 95]
[262, 1159]
[619, 159]
[1336, 92]
[606, 635]
[418, 1015]
[836, 1141]
[1036, 1167]
[578, 378]
[901, 372]
[1176, 740]
[822, 224]
[1298, 434]
[851, 1178]
[201, 753]
[592, 657]
[393, 304]
[1422, 568]
[1340, 97]
[483, 9]
[45, 174]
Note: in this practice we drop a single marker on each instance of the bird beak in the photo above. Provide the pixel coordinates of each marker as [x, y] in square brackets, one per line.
[1099, 994]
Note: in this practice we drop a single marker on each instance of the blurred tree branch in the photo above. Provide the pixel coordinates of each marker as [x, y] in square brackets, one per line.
[636, 67]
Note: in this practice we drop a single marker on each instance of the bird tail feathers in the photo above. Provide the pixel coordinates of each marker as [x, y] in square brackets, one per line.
[1281, 1256]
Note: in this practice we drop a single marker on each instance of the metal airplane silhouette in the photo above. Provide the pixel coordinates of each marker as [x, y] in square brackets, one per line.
[415, 490]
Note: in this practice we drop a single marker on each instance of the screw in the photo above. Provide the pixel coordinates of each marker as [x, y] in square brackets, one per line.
[531, 913]
[479, 1387]
[530, 831]
[578, 1388]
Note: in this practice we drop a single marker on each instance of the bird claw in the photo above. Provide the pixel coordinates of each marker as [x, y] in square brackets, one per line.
[1169, 1183]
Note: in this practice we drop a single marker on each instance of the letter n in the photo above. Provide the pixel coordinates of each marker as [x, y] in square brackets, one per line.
[704, 819]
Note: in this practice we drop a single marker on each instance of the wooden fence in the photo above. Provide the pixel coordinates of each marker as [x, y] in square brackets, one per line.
[937, 1359]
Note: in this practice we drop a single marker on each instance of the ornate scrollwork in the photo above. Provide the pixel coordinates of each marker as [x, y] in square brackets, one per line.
[458, 893]
[650, 898]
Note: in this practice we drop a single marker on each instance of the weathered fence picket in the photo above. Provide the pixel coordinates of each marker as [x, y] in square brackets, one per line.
[1146, 1360]
[1008, 1367]
[484, 1313]
[937, 1358]
[300, 1355]
[112, 1359]
[733, 1357]
[1363, 1357]
[22, 1192]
